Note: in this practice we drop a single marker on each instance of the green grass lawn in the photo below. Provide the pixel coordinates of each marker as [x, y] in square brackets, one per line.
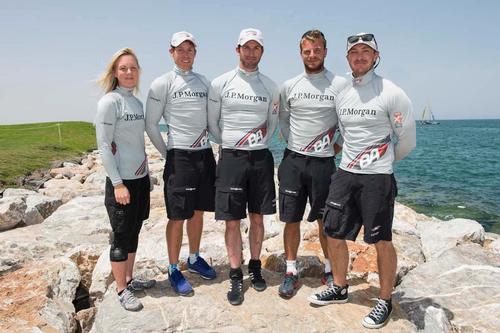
[28, 147]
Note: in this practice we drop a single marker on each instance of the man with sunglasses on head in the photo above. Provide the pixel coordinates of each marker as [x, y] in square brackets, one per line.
[180, 97]
[242, 116]
[308, 122]
[378, 128]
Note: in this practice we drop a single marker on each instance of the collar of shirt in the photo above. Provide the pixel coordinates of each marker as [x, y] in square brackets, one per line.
[363, 80]
[313, 76]
[179, 71]
[243, 72]
[125, 91]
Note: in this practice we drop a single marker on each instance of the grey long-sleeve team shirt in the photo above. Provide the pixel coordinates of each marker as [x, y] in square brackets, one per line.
[120, 135]
[243, 109]
[307, 117]
[181, 98]
[377, 125]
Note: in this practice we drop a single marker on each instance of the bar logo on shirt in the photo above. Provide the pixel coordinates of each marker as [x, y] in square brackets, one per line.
[189, 94]
[317, 97]
[245, 97]
[357, 112]
[202, 140]
[370, 154]
[133, 116]
[253, 137]
[320, 142]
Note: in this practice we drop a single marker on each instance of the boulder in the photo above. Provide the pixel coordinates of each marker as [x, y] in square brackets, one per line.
[437, 237]
[462, 282]
[38, 297]
[45, 205]
[11, 212]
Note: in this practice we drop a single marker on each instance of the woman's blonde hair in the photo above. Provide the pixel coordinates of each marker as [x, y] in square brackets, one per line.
[107, 80]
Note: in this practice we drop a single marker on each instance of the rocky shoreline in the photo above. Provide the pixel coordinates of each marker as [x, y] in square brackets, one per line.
[55, 274]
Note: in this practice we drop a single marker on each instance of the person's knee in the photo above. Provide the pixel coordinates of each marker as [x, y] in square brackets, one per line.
[233, 225]
[383, 246]
[117, 254]
[336, 244]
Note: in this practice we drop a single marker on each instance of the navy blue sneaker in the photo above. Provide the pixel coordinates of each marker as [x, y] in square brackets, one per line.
[201, 267]
[180, 285]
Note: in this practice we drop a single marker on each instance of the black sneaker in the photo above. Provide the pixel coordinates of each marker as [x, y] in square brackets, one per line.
[235, 293]
[379, 315]
[333, 294]
[255, 273]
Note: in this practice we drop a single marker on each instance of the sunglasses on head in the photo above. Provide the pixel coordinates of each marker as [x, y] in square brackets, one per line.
[364, 38]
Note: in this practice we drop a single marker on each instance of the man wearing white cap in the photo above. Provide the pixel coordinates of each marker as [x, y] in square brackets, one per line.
[180, 97]
[242, 116]
[378, 128]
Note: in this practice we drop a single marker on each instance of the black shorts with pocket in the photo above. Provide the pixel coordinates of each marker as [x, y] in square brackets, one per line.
[126, 220]
[189, 178]
[302, 177]
[357, 200]
[244, 177]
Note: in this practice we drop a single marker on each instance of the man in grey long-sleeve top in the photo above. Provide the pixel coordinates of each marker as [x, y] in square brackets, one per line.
[378, 128]
[180, 97]
[242, 116]
[308, 122]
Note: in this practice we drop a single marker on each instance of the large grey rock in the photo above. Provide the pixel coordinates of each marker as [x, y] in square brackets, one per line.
[409, 252]
[39, 295]
[436, 320]
[495, 246]
[63, 189]
[45, 205]
[18, 192]
[11, 212]
[82, 220]
[437, 237]
[209, 311]
[463, 282]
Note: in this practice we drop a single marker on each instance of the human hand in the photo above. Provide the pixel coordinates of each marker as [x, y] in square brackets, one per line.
[122, 195]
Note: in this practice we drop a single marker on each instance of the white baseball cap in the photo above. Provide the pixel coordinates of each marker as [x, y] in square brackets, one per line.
[249, 34]
[181, 36]
[362, 38]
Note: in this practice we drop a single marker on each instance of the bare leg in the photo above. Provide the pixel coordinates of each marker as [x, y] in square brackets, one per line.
[339, 260]
[387, 262]
[119, 269]
[291, 239]
[194, 229]
[174, 240]
[256, 234]
[233, 242]
[130, 266]
[322, 239]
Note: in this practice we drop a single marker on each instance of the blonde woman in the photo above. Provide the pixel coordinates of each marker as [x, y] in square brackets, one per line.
[120, 138]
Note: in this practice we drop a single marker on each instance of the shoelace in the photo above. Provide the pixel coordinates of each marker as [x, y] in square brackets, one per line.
[379, 310]
[129, 296]
[329, 291]
[236, 285]
[255, 275]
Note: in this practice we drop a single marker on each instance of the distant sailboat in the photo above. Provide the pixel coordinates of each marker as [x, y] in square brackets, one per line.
[428, 117]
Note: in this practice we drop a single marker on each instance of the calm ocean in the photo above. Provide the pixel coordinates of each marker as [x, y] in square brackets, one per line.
[453, 172]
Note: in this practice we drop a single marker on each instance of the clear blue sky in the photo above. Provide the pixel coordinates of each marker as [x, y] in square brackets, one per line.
[446, 53]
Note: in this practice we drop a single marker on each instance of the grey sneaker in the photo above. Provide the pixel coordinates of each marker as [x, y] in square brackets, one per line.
[128, 301]
[138, 284]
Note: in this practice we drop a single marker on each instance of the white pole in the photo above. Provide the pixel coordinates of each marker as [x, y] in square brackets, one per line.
[59, 130]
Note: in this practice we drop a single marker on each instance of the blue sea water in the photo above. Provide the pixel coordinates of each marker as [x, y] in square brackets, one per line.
[453, 172]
